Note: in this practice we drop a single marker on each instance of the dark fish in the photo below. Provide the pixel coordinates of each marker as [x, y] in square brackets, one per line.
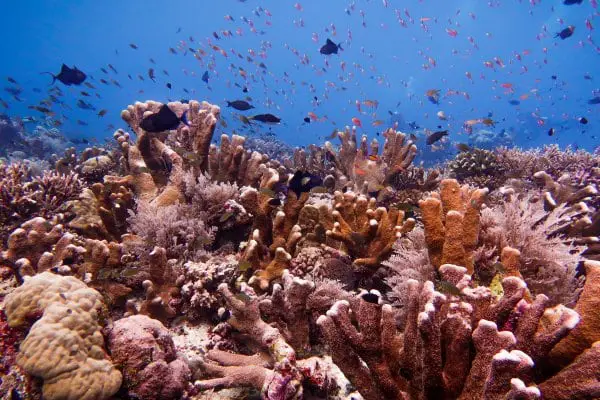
[595, 100]
[583, 120]
[172, 50]
[447, 288]
[205, 76]
[165, 72]
[307, 120]
[82, 123]
[117, 84]
[152, 61]
[551, 132]
[514, 102]
[68, 76]
[102, 112]
[150, 74]
[89, 85]
[43, 110]
[104, 70]
[370, 298]
[434, 137]
[330, 48]
[245, 89]
[13, 90]
[79, 141]
[164, 120]
[85, 106]
[133, 46]
[11, 80]
[463, 147]
[266, 118]
[566, 33]
[240, 105]
[169, 85]
[571, 2]
[303, 182]
[104, 81]
[86, 94]
[554, 77]
[112, 68]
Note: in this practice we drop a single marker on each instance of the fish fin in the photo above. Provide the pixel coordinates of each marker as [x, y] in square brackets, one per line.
[184, 118]
[228, 103]
[340, 46]
[329, 41]
[52, 75]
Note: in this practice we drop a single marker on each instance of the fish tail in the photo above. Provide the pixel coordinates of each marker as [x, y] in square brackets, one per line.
[52, 75]
[340, 46]
[184, 118]
[228, 103]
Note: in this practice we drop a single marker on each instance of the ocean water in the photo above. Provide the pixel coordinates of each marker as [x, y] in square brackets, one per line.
[478, 54]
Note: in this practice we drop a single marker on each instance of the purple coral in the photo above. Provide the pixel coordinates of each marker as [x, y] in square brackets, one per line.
[144, 349]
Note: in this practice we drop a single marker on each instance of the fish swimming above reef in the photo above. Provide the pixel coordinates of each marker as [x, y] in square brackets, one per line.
[240, 105]
[566, 33]
[433, 95]
[164, 120]
[595, 100]
[435, 136]
[266, 118]
[68, 76]
[205, 76]
[571, 2]
[330, 48]
[303, 182]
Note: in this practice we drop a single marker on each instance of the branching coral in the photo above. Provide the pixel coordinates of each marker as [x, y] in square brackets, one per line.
[431, 358]
[155, 168]
[24, 196]
[65, 346]
[451, 220]
[477, 167]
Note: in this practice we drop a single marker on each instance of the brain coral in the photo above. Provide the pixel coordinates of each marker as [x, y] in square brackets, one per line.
[65, 347]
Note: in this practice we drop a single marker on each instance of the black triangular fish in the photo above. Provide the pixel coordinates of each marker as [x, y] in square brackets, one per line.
[303, 182]
[164, 120]
[205, 76]
[330, 48]
[68, 76]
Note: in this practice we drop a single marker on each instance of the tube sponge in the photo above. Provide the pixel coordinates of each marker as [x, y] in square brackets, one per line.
[65, 347]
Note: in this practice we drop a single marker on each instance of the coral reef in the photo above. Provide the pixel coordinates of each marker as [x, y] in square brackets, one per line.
[242, 269]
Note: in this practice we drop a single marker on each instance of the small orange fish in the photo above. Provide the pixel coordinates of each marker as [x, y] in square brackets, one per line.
[472, 122]
[487, 122]
[360, 172]
[425, 19]
[357, 122]
[524, 96]
[377, 122]
[507, 85]
[374, 157]
[313, 116]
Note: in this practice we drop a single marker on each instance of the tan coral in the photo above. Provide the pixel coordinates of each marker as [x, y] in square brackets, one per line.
[588, 330]
[367, 233]
[65, 346]
[451, 219]
[155, 167]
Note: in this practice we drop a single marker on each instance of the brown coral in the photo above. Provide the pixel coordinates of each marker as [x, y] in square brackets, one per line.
[451, 221]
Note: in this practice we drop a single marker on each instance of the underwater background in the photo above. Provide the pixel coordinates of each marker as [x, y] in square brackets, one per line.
[280, 200]
[393, 53]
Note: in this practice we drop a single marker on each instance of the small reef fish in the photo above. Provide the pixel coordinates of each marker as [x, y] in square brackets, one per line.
[435, 136]
[240, 105]
[565, 33]
[266, 118]
[303, 182]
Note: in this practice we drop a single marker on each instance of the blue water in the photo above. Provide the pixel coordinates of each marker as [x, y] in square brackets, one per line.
[382, 61]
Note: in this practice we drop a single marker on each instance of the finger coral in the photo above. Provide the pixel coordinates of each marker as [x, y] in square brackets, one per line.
[65, 346]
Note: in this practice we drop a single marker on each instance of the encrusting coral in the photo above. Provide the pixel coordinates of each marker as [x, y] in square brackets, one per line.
[142, 347]
[65, 346]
